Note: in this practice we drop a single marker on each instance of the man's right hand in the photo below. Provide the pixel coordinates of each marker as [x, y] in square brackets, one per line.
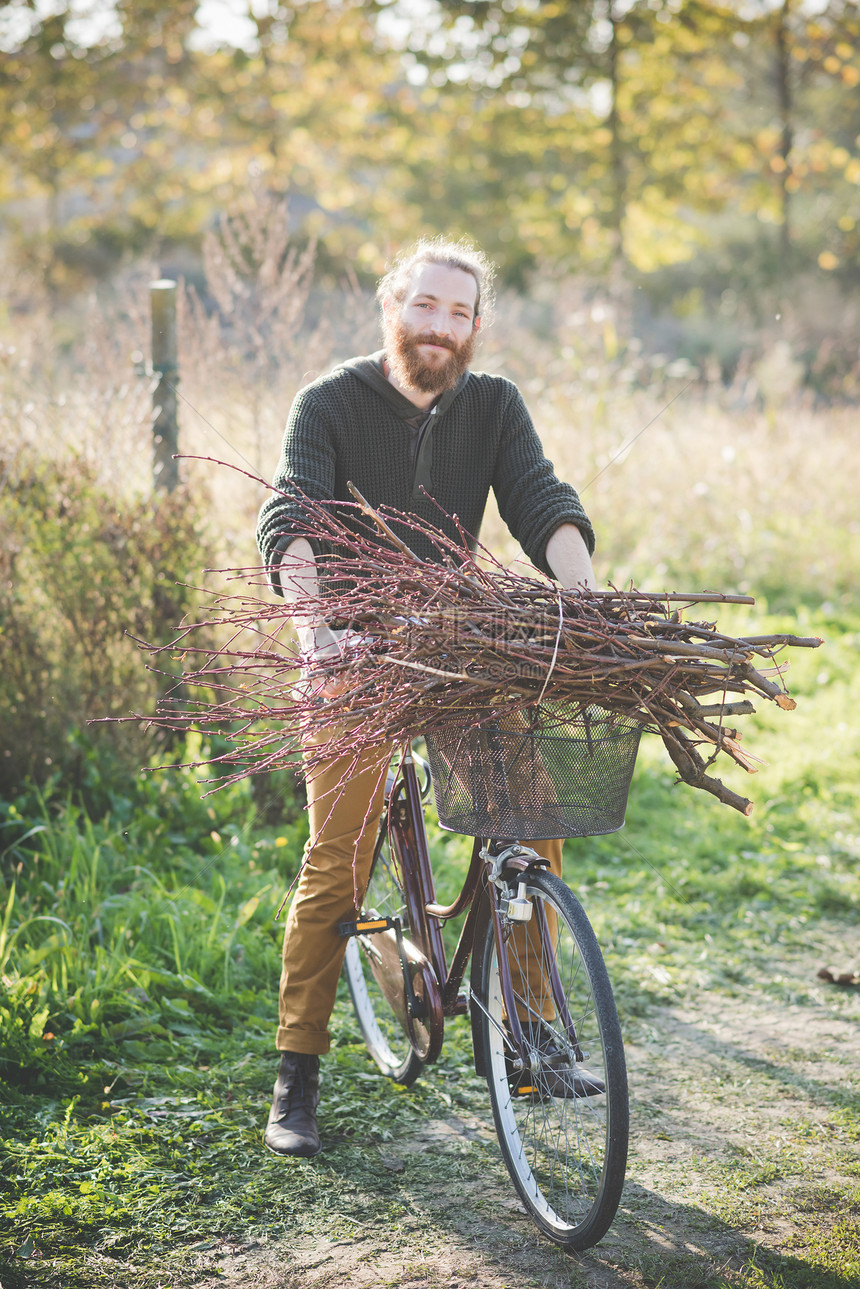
[321, 645]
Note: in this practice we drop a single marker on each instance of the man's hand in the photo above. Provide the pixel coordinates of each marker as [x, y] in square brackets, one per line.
[319, 643]
[322, 644]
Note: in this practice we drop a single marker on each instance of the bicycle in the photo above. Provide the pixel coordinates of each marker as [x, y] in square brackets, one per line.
[545, 1028]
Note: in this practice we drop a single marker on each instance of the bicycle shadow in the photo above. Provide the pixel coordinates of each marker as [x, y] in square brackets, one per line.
[683, 1140]
[667, 1241]
[658, 1237]
[479, 1234]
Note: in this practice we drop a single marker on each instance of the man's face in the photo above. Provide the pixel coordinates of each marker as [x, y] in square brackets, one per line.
[430, 337]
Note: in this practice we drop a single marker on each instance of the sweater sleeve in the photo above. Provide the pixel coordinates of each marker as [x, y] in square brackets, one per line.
[306, 466]
[532, 501]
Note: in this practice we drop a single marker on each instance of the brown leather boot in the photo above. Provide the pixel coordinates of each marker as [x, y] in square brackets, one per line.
[292, 1126]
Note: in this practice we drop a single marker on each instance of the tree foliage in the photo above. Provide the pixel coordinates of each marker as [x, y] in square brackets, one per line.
[604, 133]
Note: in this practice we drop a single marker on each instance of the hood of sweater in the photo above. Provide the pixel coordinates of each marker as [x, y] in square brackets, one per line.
[370, 371]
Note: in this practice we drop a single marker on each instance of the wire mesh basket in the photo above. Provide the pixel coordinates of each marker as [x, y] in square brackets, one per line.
[533, 775]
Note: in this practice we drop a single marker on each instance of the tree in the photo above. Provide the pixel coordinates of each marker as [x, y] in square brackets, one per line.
[610, 111]
[139, 133]
[799, 117]
[91, 113]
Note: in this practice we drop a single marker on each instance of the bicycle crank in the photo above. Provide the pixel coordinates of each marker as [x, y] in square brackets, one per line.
[406, 978]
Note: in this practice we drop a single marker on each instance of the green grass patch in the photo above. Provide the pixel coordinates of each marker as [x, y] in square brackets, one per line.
[140, 955]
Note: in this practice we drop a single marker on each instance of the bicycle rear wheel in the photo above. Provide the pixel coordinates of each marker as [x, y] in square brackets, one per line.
[386, 1040]
[563, 1121]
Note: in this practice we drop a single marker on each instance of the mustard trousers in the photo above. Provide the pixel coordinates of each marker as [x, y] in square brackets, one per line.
[344, 821]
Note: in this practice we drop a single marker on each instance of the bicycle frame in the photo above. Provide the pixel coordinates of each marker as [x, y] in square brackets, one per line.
[408, 836]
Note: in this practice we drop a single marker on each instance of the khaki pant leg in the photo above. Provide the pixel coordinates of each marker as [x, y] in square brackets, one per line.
[526, 972]
[344, 821]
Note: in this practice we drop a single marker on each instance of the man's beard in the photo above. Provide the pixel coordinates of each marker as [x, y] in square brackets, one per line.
[411, 370]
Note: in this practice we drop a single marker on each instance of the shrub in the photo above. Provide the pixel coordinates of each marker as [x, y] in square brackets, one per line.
[82, 572]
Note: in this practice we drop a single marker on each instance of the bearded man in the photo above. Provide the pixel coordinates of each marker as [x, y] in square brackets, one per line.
[412, 428]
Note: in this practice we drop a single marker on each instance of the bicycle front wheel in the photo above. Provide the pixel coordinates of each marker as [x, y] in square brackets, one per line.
[562, 1118]
[387, 1041]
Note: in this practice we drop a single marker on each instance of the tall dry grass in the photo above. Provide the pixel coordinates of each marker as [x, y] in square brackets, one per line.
[691, 484]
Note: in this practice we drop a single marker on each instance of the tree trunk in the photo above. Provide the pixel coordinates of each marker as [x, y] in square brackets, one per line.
[786, 116]
[618, 177]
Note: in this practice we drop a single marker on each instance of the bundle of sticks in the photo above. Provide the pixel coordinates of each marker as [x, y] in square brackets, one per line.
[456, 641]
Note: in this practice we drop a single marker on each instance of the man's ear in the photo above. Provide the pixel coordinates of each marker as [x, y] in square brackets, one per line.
[476, 325]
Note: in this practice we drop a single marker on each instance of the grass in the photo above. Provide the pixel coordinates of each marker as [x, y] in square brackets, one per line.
[140, 964]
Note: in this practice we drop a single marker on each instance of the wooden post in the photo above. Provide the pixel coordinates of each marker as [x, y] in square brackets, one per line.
[165, 365]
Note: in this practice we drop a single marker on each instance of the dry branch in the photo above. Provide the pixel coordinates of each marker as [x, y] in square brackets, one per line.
[456, 642]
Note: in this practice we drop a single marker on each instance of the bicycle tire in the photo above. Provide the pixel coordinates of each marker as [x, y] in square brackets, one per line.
[566, 1154]
[386, 1041]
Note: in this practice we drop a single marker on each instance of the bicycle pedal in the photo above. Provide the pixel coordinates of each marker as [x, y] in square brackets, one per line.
[366, 926]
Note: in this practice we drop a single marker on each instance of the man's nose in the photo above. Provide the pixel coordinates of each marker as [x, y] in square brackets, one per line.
[442, 327]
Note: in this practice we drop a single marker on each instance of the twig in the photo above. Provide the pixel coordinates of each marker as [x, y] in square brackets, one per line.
[457, 643]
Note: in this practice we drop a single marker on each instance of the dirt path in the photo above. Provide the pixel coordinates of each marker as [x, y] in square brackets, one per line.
[740, 1133]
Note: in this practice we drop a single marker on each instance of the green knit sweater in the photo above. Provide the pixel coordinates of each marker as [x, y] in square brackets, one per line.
[352, 426]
